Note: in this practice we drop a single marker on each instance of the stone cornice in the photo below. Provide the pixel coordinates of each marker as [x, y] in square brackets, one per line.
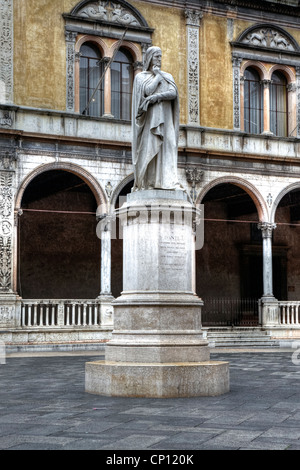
[273, 7]
[254, 10]
[194, 140]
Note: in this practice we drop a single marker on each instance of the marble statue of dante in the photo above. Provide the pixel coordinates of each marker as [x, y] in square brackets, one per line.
[155, 126]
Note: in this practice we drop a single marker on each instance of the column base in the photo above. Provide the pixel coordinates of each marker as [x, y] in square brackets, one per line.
[269, 311]
[152, 380]
[106, 309]
[267, 133]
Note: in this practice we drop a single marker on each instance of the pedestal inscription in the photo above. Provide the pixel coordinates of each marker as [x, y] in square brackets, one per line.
[173, 249]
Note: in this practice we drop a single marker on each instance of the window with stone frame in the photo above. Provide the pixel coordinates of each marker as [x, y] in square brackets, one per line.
[268, 101]
[117, 36]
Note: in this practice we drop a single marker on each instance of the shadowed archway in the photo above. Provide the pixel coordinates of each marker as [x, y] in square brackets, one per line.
[59, 252]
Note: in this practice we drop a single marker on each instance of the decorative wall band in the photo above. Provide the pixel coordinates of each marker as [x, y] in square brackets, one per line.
[6, 51]
[70, 59]
[193, 18]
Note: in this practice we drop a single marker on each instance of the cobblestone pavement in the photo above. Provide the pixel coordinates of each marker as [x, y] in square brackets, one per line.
[43, 406]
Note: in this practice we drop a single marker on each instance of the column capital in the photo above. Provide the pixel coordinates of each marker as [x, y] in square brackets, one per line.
[138, 66]
[236, 60]
[291, 87]
[71, 36]
[267, 229]
[193, 17]
[266, 83]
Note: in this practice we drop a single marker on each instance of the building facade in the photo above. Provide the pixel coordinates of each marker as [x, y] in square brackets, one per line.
[66, 76]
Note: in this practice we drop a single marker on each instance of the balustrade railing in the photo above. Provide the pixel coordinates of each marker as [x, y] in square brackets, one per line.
[87, 313]
[60, 313]
[289, 313]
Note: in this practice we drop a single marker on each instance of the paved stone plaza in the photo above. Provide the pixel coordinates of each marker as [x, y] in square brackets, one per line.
[44, 406]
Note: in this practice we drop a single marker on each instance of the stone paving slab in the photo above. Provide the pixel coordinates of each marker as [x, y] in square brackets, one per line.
[43, 406]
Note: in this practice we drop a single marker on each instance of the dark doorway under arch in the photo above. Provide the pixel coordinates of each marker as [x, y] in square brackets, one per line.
[229, 266]
[59, 252]
[287, 247]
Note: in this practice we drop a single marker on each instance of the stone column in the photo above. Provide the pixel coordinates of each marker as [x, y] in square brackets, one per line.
[137, 67]
[266, 90]
[6, 232]
[298, 101]
[193, 18]
[105, 261]
[292, 109]
[107, 88]
[242, 106]
[70, 58]
[270, 311]
[236, 72]
[105, 296]
[77, 83]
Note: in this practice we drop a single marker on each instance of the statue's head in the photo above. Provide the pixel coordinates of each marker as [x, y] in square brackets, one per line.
[153, 53]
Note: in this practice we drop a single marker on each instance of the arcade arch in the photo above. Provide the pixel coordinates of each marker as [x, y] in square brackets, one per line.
[286, 216]
[58, 249]
[229, 266]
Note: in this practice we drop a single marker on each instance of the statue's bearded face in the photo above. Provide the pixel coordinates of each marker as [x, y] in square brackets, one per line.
[156, 59]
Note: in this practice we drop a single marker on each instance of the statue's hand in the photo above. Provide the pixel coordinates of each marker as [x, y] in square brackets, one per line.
[152, 99]
[155, 70]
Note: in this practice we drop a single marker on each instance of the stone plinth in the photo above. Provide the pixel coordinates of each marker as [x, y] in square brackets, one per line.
[170, 380]
[157, 347]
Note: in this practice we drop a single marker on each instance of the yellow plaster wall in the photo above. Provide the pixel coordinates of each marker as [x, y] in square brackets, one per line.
[39, 42]
[216, 108]
[40, 62]
[39, 53]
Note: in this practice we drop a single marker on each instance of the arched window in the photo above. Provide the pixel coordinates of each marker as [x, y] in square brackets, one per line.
[278, 105]
[121, 85]
[91, 70]
[253, 102]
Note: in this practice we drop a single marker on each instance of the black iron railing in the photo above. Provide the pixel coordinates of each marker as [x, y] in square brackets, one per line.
[230, 312]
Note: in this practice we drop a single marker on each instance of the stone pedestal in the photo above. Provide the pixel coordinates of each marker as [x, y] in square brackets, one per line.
[269, 311]
[10, 311]
[157, 347]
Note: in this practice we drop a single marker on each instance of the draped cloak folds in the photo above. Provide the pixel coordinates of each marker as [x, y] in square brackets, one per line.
[155, 129]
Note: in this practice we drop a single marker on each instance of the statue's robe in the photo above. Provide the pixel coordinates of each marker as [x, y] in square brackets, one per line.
[155, 129]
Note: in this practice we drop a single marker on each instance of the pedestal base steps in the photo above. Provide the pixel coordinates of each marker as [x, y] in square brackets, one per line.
[165, 380]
